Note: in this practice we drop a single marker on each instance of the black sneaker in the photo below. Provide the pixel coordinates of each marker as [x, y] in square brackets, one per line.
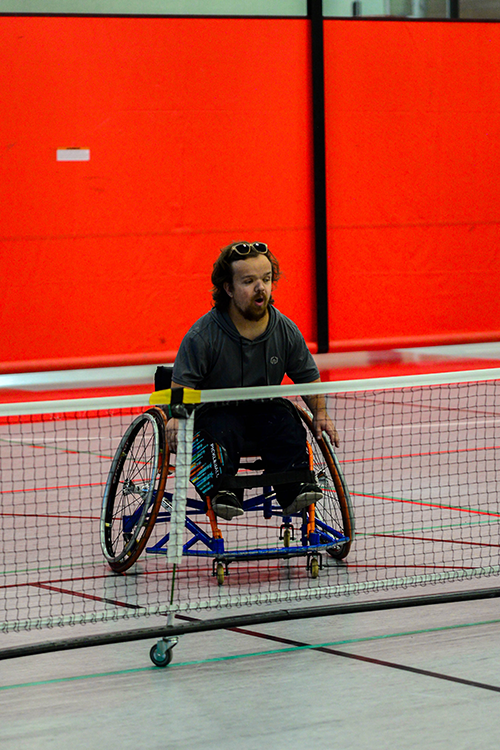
[226, 505]
[308, 494]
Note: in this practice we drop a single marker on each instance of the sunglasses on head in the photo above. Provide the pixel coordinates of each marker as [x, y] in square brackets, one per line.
[244, 248]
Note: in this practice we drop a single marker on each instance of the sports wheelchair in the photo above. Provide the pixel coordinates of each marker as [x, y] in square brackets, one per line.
[139, 495]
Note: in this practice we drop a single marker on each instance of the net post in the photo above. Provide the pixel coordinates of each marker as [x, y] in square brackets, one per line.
[182, 471]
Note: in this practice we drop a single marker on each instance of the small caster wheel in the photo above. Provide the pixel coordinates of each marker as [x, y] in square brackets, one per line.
[158, 659]
[220, 574]
[314, 568]
[286, 538]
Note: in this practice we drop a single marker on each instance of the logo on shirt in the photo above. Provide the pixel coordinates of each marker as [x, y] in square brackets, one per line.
[274, 360]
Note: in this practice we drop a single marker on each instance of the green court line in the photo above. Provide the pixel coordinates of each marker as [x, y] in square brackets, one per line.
[253, 654]
[437, 504]
[52, 568]
[434, 527]
[65, 443]
[367, 534]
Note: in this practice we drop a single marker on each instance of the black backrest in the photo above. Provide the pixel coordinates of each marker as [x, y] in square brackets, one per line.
[163, 377]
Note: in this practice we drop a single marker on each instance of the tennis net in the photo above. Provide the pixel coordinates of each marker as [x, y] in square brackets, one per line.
[410, 498]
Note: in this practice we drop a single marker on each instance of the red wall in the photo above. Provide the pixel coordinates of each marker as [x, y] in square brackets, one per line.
[199, 133]
[413, 139]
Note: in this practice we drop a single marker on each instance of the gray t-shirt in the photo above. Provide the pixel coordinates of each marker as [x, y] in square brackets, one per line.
[214, 355]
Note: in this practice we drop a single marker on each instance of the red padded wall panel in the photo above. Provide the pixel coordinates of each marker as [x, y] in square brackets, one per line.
[199, 133]
[413, 152]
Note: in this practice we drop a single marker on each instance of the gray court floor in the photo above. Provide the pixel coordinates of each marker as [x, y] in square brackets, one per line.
[412, 678]
[425, 677]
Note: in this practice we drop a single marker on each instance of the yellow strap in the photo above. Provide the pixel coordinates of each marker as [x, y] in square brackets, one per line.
[189, 396]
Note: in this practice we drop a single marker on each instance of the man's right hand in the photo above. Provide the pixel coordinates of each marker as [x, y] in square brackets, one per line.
[173, 427]
[172, 430]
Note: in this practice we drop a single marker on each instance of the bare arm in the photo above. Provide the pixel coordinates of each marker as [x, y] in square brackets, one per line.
[173, 427]
[321, 419]
[317, 405]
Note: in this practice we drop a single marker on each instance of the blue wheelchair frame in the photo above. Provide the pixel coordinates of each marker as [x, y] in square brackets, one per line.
[312, 542]
[153, 504]
[316, 541]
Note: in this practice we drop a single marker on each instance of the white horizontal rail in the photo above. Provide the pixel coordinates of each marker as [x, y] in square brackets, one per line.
[258, 392]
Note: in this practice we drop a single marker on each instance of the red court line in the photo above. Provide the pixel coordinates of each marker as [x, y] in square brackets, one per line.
[367, 568]
[100, 577]
[432, 539]
[50, 584]
[51, 446]
[420, 455]
[66, 416]
[50, 515]
[51, 489]
[420, 405]
[189, 572]
[427, 505]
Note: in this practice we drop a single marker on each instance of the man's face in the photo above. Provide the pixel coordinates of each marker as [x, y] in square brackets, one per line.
[251, 289]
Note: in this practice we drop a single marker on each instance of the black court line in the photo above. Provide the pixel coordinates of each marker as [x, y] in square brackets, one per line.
[84, 596]
[358, 657]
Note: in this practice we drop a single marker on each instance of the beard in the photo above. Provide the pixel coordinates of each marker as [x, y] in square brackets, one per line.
[252, 312]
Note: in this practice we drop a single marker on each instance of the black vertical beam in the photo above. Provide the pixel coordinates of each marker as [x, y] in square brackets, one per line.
[315, 13]
[454, 9]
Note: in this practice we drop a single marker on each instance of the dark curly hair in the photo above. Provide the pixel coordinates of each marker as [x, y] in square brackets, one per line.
[223, 272]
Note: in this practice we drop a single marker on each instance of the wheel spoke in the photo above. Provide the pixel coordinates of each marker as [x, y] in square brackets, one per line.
[134, 490]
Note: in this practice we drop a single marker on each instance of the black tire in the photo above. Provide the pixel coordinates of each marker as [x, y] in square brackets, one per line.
[134, 490]
[160, 661]
[335, 509]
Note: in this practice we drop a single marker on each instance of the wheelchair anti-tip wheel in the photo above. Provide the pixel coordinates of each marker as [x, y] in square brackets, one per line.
[334, 509]
[134, 490]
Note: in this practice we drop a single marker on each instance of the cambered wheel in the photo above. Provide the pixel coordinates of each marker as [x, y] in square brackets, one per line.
[134, 490]
[335, 509]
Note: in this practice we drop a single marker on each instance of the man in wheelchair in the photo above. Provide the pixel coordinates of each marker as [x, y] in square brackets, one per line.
[245, 341]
